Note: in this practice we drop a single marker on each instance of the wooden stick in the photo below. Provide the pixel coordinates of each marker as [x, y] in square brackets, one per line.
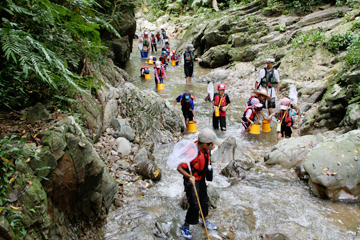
[202, 215]
[210, 114]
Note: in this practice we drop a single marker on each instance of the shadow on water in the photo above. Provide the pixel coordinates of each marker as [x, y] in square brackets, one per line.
[267, 201]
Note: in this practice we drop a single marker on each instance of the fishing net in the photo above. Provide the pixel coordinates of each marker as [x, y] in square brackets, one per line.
[183, 152]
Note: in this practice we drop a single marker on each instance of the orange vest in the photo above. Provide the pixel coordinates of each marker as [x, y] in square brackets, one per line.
[199, 165]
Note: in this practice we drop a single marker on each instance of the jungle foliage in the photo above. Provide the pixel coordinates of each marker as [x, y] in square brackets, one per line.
[46, 43]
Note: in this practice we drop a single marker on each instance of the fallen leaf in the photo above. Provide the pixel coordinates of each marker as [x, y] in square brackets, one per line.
[331, 146]
[325, 169]
[15, 208]
[334, 173]
[343, 156]
[322, 165]
[30, 182]
[355, 158]
[356, 151]
[338, 163]
[337, 155]
[1, 208]
[156, 173]
[11, 180]
[7, 161]
[81, 144]
[27, 160]
[324, 173]
[94, 134]
[351, 165]
[8, 127]
[23, 131]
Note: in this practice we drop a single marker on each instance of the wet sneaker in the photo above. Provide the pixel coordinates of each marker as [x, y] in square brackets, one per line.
[209, 225]
[185, 231]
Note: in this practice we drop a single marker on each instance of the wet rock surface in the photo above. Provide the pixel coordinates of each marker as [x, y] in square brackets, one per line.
[333, 167]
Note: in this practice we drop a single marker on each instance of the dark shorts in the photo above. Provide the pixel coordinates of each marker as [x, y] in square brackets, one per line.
[189, 70]
[161, 80]
[270, 103]
[286, 130]
[188, 114]
[216, 121]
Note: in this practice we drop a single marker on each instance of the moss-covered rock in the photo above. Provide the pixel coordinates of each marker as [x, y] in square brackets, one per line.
[333, 167]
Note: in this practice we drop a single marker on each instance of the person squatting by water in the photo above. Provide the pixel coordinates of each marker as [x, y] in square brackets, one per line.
[207, 140]
[187, 107]
[221, 104]
[250, 114]
[160, 73]
[268, 78]
[187, 59]
[261, 95]
[285, 118]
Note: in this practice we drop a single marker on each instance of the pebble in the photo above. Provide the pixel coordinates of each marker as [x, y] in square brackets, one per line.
[110, 131]
[134, 149]
[98, 145]
[114, 153]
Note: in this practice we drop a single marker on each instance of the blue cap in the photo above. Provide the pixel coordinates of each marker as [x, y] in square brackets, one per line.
[164, 52]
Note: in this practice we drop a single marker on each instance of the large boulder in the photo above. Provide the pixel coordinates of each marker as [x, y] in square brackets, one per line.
[122, 50]
[215, 57]
[64, 186]
[226, 151]
[321, 16]
[333, 167]
[289, 153]
[37, 113]
[216, 75]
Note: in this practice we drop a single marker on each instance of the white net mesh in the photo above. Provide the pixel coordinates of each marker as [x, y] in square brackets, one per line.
[183, 152]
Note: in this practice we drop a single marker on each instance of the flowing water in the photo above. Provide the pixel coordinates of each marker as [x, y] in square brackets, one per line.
[267, 202]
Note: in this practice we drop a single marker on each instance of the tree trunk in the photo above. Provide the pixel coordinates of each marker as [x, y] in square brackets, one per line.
[215, 6]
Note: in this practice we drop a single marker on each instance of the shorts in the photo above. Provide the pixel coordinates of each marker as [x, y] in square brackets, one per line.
[286, 130]
[216, 123]
[270, 103]
[188, 114]
[189, 71]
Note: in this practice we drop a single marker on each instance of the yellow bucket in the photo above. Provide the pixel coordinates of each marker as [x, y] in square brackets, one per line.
[147, 76]
[217, 111]
[150, 62]
[160, 86]
[266, 126]
[255, 128]
[173, 63]
[192, 127]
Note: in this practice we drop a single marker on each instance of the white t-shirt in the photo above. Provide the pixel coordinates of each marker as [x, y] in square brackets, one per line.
[271, 91]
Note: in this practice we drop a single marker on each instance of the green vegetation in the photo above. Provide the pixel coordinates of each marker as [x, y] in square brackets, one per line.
[349, 42]
[46, 43]
[10, 151]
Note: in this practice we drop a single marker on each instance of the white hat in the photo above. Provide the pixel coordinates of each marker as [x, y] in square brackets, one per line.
[158, 64]
[270, 60]
[191, 47]
[209, 136]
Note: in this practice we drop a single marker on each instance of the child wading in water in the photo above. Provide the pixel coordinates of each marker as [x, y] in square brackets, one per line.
[250, 114]
[175, 57]
[284, 116]
[160, 73]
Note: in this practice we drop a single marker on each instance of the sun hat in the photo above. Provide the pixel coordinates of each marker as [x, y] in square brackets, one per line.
[262, 92]
[221, 86]
[158, 64]
[164, 52]
[255, 102]
[191, 47]
[146, 33]
[208, 136]
[285, 103]
[270, 60]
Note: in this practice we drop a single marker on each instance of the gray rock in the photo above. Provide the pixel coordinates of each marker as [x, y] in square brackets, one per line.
[123, 129]
[124, 146]
[237, 168]
[333, 167]
[36, 113]
[122, 50]
[215, 57]
[142, 155]
[352, 117]
[321, 16]
[111, 110]
[226, 151]
[290, 152]
[216, 75]
[149, 170]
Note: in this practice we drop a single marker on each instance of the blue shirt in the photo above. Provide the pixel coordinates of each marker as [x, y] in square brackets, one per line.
[179, 98]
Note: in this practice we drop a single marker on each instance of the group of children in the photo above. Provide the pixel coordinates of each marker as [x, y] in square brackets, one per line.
[252, 112]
